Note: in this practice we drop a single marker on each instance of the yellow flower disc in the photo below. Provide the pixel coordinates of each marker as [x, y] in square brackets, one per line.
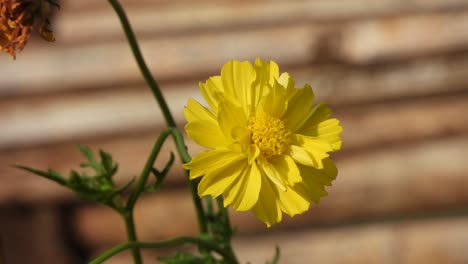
[269, 134]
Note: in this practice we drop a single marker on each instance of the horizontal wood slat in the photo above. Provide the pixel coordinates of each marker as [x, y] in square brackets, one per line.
[408, 242]
[394, 72]
[168, 18]
[65, 117]
[370, 185]
[330, 9]
[365, 126]
[429, 242]
[185, 55]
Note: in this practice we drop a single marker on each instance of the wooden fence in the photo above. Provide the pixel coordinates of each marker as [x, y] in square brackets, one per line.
[395, 73]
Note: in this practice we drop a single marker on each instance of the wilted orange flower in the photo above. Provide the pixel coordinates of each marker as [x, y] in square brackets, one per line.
[17, 19]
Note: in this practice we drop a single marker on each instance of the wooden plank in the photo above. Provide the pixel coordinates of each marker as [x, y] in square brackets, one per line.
[409, 242]
[33, 235]
[111, 64]
[170, 17]
[431, 242]
[365, 126]
[401, 179]
[329, 9]
[402, 37]
[357, 85]
[67, 116]
[332, 82]
[187, 55]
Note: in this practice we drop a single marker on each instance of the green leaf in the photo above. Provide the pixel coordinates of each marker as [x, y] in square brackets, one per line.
[126, 186]
[187, 258]
[276, 257]
[108, 164]
[86, 151]
[161, 175]
[50, 174]
[98, 186]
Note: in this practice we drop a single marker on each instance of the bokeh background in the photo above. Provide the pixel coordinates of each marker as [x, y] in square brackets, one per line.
[395, 73]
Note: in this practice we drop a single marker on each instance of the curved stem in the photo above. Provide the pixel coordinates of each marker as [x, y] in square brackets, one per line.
[185, 156]
[140, 185]
[162, 103]
[167, 243]
[127, 214]
[227, 224]
[131, 234]
[141, 62]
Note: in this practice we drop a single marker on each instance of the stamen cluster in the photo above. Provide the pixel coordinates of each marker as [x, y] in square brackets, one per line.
[269, 134]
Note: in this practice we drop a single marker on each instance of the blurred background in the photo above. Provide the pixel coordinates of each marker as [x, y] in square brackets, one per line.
[395, 73]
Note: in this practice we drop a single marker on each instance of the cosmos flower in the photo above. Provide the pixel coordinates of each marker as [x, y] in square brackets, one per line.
[268, 144]
[17, 19]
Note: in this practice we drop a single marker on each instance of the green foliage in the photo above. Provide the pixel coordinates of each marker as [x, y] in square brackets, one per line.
[188, 258]
[276, 257]
[99, 186]
[160, 175]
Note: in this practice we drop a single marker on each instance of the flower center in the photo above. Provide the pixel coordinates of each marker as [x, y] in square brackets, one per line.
[269, 134]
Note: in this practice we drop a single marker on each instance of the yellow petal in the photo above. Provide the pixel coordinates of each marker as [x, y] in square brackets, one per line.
[237, 78]
[194, 111]
[231, 116]
[267, 72]
[294, 201]
[286, 167]
[314, 180]
[212, 91]
[312, 144]
[207, 134]
[319, 114]
[299, 108]
[218, 180]
[267, 208]
[273, 175]
[243, 194]
[306, 157]
[274, 103]
[209, 160]
[311, 190]
[323, 176]
[317, 125]
[330, 130]
[286, 81]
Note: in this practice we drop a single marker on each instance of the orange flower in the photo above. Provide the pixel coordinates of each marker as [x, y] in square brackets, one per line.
[17, 19]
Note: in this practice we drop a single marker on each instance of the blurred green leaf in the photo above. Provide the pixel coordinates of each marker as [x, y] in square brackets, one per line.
[97, 187]
[161, 175]
[276, 257]
[187, 258]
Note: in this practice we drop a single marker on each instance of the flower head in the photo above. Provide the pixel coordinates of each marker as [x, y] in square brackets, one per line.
[269, 145]
[17, 18]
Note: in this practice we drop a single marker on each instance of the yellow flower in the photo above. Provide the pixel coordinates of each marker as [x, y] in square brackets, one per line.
[269, 144]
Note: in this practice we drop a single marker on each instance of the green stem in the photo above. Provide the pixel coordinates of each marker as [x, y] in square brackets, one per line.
[167, 243]
[139, 188]
[141, 62]
[140, 185]
[131, 235]
[162, 104]
[227, 225]
[185, 156]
